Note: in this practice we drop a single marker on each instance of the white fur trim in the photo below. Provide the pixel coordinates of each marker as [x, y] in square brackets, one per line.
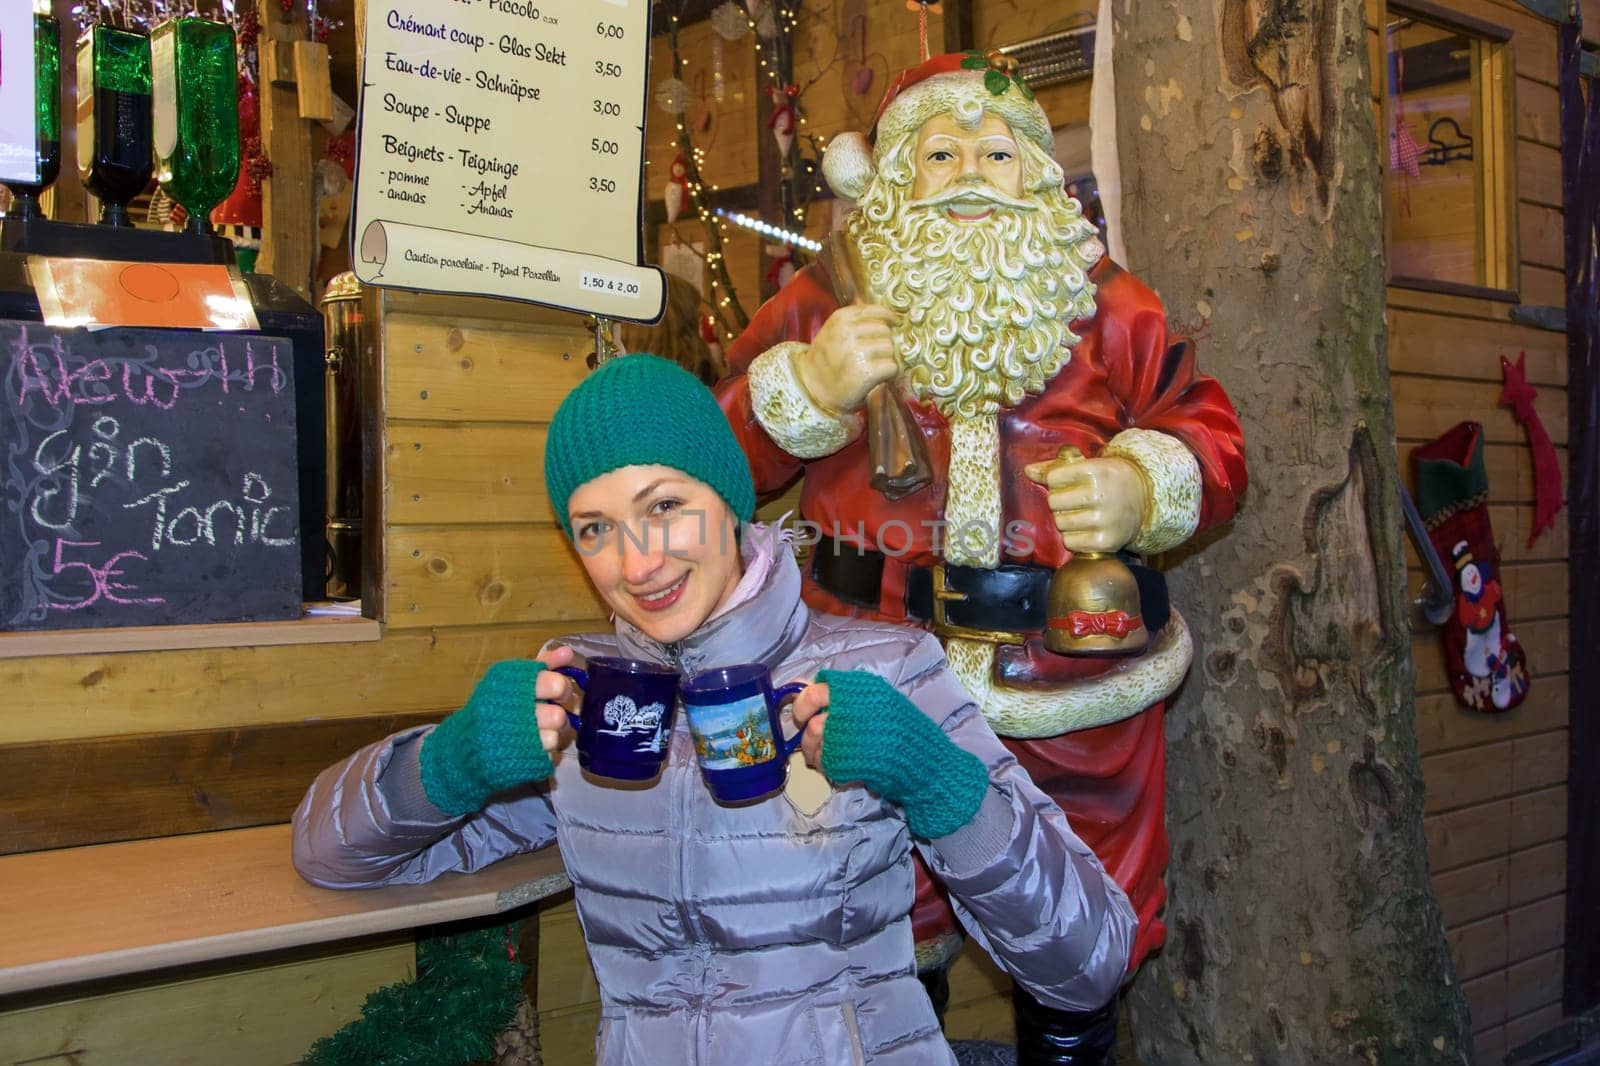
[963, 96]
[973, 528]
[1172, 476]
[847, 165]
[1121, 692]
[787, 412]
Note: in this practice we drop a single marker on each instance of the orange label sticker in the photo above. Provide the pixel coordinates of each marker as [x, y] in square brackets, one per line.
[105, 292]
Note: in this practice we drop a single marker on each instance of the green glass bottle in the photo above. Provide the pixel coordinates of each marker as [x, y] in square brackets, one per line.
[47, 67]
[196, 83]
[114, 134]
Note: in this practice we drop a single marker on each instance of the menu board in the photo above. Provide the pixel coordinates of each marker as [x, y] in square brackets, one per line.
[149, 477]
[501, 152]
[19, 141]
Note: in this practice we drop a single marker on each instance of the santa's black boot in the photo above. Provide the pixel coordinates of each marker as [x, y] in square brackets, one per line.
[1050, 1037]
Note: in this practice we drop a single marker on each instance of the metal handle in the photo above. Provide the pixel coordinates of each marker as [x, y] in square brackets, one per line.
[1438, 596]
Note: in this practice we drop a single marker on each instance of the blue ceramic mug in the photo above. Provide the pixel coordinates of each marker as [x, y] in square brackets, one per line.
[738, 733]
[626, 724]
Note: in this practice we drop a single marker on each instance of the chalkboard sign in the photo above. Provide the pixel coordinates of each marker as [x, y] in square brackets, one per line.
[149, 478]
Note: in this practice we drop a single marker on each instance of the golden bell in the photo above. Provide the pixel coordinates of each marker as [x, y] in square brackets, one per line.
[1094, 608]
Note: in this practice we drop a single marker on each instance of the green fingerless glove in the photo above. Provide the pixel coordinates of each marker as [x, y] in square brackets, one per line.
[877, 736]
[488, 746]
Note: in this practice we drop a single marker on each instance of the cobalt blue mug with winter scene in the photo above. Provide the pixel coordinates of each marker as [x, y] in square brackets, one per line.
[626, 722]
[738, 730]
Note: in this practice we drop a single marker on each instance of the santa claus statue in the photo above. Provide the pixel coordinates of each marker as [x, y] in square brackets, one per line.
[1057, 416]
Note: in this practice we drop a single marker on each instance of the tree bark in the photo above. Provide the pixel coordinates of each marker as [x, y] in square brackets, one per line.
[1302, 927]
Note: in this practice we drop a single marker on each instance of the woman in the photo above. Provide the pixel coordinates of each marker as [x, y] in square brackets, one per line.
[772, 933]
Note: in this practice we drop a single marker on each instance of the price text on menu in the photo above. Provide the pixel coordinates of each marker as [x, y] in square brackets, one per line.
[517, 121]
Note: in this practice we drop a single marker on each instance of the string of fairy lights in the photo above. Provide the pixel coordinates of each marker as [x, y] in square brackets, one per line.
[785, 22]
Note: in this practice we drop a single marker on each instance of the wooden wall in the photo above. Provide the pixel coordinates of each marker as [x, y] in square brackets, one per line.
[1496, 796]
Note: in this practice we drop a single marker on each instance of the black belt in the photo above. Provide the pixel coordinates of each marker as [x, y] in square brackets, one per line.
[1010, 598]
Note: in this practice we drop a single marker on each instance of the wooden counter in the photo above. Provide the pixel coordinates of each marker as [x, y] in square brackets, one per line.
[83, 913]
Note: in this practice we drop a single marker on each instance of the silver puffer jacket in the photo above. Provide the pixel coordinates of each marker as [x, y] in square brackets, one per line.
[734, 936]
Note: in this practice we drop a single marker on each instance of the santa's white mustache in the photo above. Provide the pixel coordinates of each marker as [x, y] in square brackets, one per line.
[968, 194]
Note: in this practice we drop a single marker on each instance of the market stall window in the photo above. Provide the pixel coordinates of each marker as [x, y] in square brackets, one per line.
[1448, 176]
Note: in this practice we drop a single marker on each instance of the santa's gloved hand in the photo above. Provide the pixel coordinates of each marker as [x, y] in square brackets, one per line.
[490, 745]
[875, 735]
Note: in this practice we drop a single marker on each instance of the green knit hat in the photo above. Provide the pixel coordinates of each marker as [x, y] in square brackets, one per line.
[642, 410]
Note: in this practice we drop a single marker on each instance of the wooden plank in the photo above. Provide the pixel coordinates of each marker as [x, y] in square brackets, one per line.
[1538, 112]
[1446, 303]
[566, 980]
[1486, 1000]
[478, 371]
[1538, 817]
[1591, 21]
[1435, 345]
[1533, 1024]
[1472, 892]
[1444, 725]
[1533, 984]
[1539, 762]
[260, 1015]
[289, 226]
[1542, 286]
[182, 900]
[1544, 642]
[67, 794]
[1536, 928]
[1478, 947]
[308, 630]
[479, 312]
[1489, 1045]
[1470, 776]
[1469, 835]
[78, 696]
[1510, 471]
[460, 474]
[567, 1036]
[1539, 174]
[313, 83]
[1426, 407]
[1536, 873]
[475, 576]
[1539, 235]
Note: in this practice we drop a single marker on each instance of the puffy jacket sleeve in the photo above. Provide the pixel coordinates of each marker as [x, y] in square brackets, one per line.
[1021, 882]
[366, 822]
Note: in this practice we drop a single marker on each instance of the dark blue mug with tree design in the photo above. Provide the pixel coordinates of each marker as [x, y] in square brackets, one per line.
[626, 724]
[734, 716]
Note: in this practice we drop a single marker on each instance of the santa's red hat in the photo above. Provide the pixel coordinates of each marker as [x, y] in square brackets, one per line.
[964, 85]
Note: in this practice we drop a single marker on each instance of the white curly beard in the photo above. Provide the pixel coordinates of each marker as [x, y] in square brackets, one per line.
[987, 305]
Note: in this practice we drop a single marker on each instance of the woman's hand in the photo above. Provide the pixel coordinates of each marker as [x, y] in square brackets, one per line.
[557, 694]
[810, 711]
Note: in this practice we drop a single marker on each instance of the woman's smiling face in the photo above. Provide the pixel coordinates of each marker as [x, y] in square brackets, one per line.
[659, 546]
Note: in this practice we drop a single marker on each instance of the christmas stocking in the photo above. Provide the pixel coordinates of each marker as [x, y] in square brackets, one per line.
[1486, 665]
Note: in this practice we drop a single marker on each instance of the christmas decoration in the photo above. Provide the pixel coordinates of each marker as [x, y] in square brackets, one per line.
[468, 988]
[1485, 663]
[672, 95]
[1517, 394]
[676, 194]
[780, 265]
[764, 15]
[781, 121]
[730, 21]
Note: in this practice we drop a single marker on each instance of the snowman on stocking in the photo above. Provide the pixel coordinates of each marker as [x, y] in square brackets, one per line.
[1486, 664]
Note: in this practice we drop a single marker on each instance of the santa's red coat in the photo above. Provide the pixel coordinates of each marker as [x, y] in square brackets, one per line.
[1127, 373]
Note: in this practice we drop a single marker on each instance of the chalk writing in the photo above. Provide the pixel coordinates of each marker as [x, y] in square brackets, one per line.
[149, 476]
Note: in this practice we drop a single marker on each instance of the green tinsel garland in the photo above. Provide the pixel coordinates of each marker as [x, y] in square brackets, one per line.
[467, 989]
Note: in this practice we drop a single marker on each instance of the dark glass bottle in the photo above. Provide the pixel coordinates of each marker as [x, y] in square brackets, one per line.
[47, 64]
[115, 138]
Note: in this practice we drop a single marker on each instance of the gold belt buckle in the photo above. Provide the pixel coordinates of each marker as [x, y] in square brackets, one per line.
[943, 594]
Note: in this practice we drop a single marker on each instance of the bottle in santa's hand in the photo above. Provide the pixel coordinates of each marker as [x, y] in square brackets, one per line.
[114, 120]
[196, 83]
[47, 118]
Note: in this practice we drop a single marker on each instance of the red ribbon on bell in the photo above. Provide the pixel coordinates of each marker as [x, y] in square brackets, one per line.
[1082, 624]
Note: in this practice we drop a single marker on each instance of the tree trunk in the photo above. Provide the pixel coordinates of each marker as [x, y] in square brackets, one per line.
[1301, 924]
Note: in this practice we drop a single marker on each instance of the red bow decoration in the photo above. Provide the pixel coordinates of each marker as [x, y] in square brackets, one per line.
[1085, 624]
[1518, 395]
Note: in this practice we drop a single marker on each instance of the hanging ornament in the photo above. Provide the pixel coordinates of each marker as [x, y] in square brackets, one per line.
[1517, 394]
[781, 123]
[676, 194]
[780, 269]
[861, 80]
[764, 13]
[730, 21]
[673, 96]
